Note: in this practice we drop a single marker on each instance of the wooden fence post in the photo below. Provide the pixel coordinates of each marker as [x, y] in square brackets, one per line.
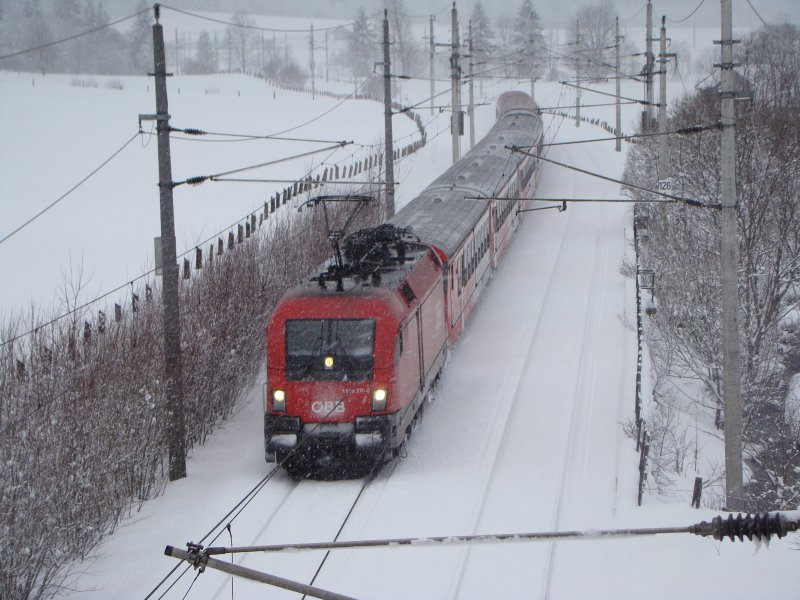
[643, 466]
[697, 492]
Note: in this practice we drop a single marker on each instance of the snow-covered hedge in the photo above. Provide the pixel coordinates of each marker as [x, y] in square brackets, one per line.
[82, 407]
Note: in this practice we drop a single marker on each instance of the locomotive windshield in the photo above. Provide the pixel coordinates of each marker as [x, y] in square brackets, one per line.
[330, 349]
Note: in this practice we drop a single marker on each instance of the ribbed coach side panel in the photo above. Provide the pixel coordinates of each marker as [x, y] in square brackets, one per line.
[441, 215]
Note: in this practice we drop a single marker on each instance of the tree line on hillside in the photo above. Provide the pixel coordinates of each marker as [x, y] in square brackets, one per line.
[28, 24]
[683, 248]
[513, 45]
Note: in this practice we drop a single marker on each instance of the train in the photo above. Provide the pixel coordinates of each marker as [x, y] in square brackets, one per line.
[354, 352]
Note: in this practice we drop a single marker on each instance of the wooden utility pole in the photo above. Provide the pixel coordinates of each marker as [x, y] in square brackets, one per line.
[455, 75]
[173, 372]
[663, 158]
[729, 255]
[311, 64]
[649, 68]
[471, 92]
[177, 53]
[578, 73]
[432, 59]
[618, 132]
[387, 117]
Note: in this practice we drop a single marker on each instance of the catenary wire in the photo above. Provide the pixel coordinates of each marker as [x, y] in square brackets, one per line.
[689, 16]
[72, 189]
[760, 18]
[256, 27]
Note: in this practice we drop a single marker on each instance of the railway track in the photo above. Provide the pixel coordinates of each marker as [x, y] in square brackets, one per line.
[515, 392]
[330, 503]
[507, 446]
[580, 414]
[551, 391]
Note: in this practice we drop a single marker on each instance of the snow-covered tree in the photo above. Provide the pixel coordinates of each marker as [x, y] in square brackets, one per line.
[596, 28]
[363, 48]
[140, 40]
[205, 58]
[483, 43]
[528, 41]
[405, 50]
[683, 249]
[242, 41]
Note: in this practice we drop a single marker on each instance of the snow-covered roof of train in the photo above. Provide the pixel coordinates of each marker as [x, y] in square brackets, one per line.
[441, 215]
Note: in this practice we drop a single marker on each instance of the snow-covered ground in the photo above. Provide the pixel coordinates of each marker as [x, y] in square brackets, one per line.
[526, 433]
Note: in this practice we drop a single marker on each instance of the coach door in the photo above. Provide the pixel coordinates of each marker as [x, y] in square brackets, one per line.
[455, 294]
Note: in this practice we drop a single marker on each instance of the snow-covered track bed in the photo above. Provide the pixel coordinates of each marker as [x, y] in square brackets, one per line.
[328, 504]
[524, 434]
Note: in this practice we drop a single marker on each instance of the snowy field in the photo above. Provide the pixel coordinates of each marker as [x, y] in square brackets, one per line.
[526, 433]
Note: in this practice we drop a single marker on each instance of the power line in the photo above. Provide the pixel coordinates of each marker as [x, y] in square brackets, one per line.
[759, 526]
[687, 201]
[604, 93]
[73, 37]
[68, 192]
[256, 27]
[682, 131]
[330, 110]
[644, 4]
[435, 12]
[202, 178]
[553, 108]
[244, 136]
[242, 504]
[687, 17]
[760, 18]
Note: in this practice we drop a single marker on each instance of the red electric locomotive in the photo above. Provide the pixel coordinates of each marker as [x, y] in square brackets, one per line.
[353, 353]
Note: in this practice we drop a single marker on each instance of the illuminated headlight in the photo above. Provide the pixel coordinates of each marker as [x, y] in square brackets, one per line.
[328, 362]
[379, 399]
[279, 400]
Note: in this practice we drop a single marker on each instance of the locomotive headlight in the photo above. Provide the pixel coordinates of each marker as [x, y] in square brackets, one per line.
[379, 399]
[328, 362]
[279, 400]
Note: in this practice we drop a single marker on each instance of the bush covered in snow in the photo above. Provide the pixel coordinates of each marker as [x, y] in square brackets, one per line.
[82, 403]
[683, 248]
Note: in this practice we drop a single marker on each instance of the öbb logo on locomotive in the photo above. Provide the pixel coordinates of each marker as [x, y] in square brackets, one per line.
[354, 352]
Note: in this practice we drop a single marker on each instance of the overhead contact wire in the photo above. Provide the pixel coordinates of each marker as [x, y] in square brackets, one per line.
[69, 191]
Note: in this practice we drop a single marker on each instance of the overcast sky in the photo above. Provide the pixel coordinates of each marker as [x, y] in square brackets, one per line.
[559, 13]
